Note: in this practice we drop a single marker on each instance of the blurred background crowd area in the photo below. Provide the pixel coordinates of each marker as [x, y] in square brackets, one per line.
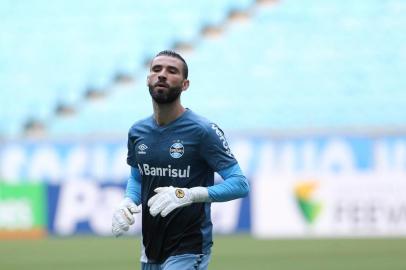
[310, 93]
[78, 68]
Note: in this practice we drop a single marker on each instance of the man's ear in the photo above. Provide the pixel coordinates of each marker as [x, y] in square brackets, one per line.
[185, 84]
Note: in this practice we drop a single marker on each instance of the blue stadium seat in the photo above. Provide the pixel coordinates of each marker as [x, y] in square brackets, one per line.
[294, 65]
[62, 48]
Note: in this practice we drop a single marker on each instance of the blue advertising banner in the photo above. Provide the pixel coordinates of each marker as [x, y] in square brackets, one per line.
[103, 160]
[313, 180]
[100, 160]
[83, 207]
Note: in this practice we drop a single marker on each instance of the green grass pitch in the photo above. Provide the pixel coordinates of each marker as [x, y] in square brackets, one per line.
[229, 253]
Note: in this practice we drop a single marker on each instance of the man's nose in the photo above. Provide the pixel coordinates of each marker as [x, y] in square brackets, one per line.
[162, 77]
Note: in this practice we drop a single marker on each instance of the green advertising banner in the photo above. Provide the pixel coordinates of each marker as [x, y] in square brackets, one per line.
[22, 210]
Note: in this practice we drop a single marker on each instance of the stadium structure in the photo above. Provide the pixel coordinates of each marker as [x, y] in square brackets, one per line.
[310, 94]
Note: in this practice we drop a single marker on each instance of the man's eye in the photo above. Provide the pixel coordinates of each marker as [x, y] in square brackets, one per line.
[156, 69]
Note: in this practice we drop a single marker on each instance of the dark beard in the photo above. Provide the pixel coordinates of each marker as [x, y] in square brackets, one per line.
[167, 97]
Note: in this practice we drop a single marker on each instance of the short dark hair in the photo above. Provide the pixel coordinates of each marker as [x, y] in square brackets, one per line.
[178, 56]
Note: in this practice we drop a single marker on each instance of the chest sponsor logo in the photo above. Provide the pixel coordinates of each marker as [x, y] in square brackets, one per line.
[222, 138]
[142, 148]
[176, 150]
[147, 170]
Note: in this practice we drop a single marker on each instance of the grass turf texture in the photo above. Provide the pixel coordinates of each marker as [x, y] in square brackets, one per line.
[229, 253]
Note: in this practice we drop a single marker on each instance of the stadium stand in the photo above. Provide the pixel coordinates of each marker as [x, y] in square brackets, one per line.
[290, 66]
[54, 54]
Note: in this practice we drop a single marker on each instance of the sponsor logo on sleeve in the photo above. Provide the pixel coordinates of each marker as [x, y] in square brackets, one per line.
[222, 138]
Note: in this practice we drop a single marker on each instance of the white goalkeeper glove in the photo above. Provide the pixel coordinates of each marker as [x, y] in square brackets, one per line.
[123, 216]
[167, 199]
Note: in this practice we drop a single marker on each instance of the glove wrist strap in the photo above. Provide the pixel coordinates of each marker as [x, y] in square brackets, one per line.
[200, 194]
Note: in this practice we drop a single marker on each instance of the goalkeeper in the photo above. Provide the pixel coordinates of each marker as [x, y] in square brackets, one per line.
[173, 155]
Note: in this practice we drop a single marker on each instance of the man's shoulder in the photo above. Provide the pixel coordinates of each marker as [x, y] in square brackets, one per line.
[203, 123]
[140, 125]
[199, 121]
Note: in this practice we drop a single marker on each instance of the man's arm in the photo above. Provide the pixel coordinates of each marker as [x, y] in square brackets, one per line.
[133, 190]
[234, 186]
[215, 150]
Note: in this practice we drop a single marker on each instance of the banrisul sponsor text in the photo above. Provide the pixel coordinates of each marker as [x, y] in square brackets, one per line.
[146, 169]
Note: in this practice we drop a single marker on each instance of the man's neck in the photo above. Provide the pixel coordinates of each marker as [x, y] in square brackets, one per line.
[166, 113]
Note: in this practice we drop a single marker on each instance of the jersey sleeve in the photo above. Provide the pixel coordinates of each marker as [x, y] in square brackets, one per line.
[131, 160]
[234, 186]
[133, 189]
[215, 149]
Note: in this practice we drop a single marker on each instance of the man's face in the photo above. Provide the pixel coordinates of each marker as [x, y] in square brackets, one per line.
[165, 80]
